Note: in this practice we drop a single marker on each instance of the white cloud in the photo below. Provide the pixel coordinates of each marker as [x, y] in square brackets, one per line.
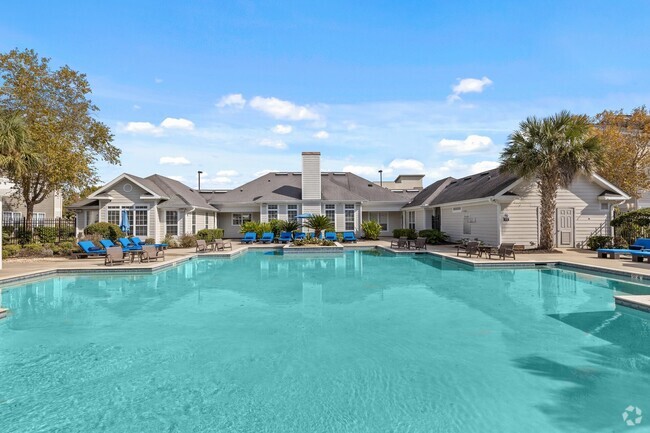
[174, 160]
[282, 129]
[407, 165]
[279, 109]
[458, 168]
[235, 100]
[227, 173]
[221, 180]
[473, 143]
[468, 85]
[174, 123]
[158, 80]
[136, 107]
[481, 166]
[142, 128]
[275, 144]
[321, 135]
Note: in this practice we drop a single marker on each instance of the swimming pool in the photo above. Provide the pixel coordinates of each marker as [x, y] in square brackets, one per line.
[358, 342]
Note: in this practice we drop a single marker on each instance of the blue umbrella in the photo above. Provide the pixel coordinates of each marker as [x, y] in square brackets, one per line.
[304, 215]
[125, 226]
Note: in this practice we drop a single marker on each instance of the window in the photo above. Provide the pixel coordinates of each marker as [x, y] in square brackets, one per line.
[140, 223]
[10, 217]
[206, 220]
[272, 212]
[194, 222]
[114, 215]
[604, 206]
[467, 225]
[240, 218]
[411, 220]
[381, 218]
[38, 218]
[330, 212]
[349, 217]
[292, 211]
[171, 222]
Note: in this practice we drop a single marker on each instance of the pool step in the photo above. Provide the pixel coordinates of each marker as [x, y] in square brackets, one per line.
[4, 312]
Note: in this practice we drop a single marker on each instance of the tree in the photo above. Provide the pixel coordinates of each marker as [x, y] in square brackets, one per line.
[16, 152]
[319, 223]
[551, 151]
[59, 118]
[626, 146]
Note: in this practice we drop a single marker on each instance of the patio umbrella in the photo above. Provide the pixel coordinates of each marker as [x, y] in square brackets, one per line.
[125, 226]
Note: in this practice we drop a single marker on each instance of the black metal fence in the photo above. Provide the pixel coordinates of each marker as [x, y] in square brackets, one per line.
[44, 230]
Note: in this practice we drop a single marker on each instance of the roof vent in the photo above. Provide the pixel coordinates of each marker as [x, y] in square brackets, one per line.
[467, 178]
[483, 174]
[370, 185]
[338, 174]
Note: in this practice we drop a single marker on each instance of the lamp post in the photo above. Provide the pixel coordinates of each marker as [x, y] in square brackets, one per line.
[200, 173]
[381, 178]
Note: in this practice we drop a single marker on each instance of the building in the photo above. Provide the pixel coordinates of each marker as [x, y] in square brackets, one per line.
[14, 208]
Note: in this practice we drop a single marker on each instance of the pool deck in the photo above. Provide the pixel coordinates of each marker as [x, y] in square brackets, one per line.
[15, 270]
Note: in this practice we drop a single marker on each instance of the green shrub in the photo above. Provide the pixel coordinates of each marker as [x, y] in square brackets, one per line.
[276, 227]
[209, 235]
[105, 230]
[289, 226]
[24, 236]
[46, 235]
[371, 230]
[257, 227]
[66, 248]
[149, 241]
[595, 242]
[34, 250]
[409, 233]
[10, 251]
[433, 236]
[170, 241]
[187, 240]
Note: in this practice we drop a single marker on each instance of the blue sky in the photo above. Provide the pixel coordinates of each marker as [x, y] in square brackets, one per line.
[238, 88]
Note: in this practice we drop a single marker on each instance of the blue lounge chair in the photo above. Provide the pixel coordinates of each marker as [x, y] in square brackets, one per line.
[249, 238]
[299, 236]
[638, 256]
[107, 243]
[285, 237]
[349, 237]
[90, 249]
[331, 236]
[126, 243]
[267, 237]
[640, 244]
[137, 241]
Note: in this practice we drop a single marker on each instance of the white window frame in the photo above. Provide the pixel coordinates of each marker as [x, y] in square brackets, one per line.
[381, 218]
[292, 208]
[206, 220]
[168, 226]
[240, 218]
[346, 213]
[137, 229]
[193, 222]
[331, 208]
[9, 216]
[411, 220]
[272, 212]
[467, 224]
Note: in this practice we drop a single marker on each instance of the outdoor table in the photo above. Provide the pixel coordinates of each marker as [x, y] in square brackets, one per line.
[485, 249]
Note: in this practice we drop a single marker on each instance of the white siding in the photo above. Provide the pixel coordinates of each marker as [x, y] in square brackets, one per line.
[311, 176]
[483, 223]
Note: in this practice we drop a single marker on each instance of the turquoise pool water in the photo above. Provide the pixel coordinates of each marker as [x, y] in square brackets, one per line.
[355, 343]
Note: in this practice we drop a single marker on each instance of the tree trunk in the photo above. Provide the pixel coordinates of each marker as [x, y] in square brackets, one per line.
[29, 218]
[548, 185]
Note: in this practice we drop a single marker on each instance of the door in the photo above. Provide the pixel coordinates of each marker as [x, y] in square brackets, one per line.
[565, 227]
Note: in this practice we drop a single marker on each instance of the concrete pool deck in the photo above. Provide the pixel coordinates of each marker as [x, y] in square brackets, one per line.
[16, 270]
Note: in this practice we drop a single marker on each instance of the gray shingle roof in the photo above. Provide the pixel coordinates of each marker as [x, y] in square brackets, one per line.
[480, 185]
[287, 187]
[428, 194]
[179, 194]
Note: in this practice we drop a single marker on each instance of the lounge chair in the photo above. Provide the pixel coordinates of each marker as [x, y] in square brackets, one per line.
[285, 237]
[126, 243]
[639, 245]
[331, 236]
[88, 248]
[349, 237]
[201, 246]
[136, 240]
[421, 244]
[220, 244]
[639, 255]
[114, 255]
[249, 238]
[150, 252]
[107, 243]
[299, 236]
[400, 243]
[267, 237]
[504, 250]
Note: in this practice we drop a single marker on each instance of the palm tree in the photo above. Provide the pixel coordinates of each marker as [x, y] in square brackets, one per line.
[16, 156]
[318, 223]
[552, 151]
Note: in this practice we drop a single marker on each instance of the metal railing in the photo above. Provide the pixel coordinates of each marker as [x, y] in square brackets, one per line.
[43, 230]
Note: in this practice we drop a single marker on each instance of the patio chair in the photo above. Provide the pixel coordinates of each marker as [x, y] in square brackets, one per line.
[126, 243]
[201, 246]
[285, 237]
[136, 240]
[249, 238]
[150, 252]
[114, 255]
[267, 237]
[472, 248]
[88, 248]
[220, 244]
[400, 243]
[421, 244]
[504, 250]
[331, 236]
[349, 237]
[299, 236]
[641, 244]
